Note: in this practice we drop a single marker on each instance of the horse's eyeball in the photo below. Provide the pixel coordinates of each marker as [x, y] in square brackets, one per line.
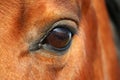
[59, 38]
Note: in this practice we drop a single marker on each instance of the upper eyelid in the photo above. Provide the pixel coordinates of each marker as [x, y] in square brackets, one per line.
[69, 23]
[50, 26]
[76, 20]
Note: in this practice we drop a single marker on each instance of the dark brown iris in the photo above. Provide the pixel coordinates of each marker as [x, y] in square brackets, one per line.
[59, 37]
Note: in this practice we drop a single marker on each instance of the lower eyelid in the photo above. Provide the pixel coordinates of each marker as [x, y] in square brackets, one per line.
[55, 52]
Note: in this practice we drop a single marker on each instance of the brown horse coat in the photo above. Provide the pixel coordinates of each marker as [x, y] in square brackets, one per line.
[91, 56]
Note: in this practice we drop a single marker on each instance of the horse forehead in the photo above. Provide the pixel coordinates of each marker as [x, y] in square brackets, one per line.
[17, 4]
[21, 2]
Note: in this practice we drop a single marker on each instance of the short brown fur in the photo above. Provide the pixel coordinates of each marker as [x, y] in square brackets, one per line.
[92, 55]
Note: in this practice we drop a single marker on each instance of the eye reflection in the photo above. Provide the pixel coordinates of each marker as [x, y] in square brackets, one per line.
[59, 38]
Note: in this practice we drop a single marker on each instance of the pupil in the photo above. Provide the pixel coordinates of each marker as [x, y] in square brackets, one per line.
[59, 37]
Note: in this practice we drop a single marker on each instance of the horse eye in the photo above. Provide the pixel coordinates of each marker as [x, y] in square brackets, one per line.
[59, 38]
